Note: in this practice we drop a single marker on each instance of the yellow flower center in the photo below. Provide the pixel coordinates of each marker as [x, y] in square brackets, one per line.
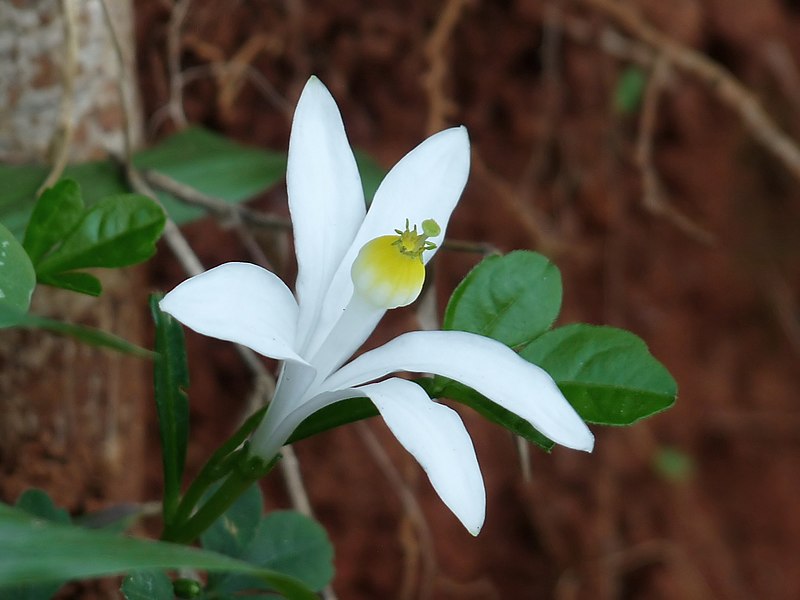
[389, 271]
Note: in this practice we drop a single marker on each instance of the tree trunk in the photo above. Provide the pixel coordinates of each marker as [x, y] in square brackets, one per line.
[71, 416]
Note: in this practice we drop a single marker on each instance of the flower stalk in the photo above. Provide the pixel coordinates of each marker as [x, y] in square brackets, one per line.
[242, 472]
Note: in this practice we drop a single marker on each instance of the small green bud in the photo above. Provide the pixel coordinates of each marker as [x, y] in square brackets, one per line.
[186, 588]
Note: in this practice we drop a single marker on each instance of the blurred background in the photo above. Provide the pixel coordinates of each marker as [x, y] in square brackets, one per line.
[649, 148]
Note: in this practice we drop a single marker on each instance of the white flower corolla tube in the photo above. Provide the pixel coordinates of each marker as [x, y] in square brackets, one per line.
[353, 265]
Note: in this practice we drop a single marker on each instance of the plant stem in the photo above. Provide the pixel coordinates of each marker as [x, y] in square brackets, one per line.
[219, 465]
[245, 471]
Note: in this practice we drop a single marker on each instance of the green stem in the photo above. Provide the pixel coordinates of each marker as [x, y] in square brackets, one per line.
[246, 471]
[215, 469]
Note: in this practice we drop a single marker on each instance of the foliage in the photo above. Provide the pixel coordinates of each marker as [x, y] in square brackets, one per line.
[171, 379]
[43, 551]
[607, 374]
[90, 220]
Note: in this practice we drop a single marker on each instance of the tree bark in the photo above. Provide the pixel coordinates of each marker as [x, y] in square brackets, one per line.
[71, 416]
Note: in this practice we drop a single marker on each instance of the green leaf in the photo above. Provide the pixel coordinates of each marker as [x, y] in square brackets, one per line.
[39, 551]
[17, 277]
[10, 317]
[214, 165]
[37, 503]
[291, 543]
[171, 380]
[287, 542]
[512, 298]
[74, 281]
[629, 90]
[673, 465]
[441, 387]
[116, 232]
[334, 415]
[96, 180]
[196, 157]
[147, 585]
[607, 374]
[234, 530]
[57, 211]
[117, 518]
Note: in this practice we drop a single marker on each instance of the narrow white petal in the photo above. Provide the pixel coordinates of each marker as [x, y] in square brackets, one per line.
[431, 432]
[326, 199]
[425, 184]
[238, 302]
[281, 419]
[354, 326]
[483, 364]
[436, 437]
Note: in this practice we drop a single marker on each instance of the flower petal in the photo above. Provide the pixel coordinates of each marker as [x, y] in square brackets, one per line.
[483, 364]
[238, 302]
[326, 200]
[285, 415]
[431, 432]
[436, 437]
[425, 184]
[357, 322]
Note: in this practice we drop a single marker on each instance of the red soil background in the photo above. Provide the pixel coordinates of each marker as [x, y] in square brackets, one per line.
[556, 171]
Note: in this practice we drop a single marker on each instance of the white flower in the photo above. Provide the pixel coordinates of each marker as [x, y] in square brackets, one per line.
[338, 242]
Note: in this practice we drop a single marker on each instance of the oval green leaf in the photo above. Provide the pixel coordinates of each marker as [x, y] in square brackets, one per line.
[287, 542]
[607, 374]
[512, 298]
[17, 277]
[56, 212]
[118, 231]
[147, 585]
[234, 530]
[213, 165]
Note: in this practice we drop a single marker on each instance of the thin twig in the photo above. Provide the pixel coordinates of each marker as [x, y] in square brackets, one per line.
[230, 73]
[240, 68]
[122, 83]
[216, 206]
[268, 91]
[440, 106]
[484, 248]
[239, 212]
[610, 40]
[653, 195]
[62, 138]
[410, 506]
[175, 104]
[782, 300]
[553, 89]
[192, 265]
[727, 88]
[215, 70]
[532, 221]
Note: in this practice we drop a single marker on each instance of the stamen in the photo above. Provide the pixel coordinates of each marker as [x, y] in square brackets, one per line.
[389, 270]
